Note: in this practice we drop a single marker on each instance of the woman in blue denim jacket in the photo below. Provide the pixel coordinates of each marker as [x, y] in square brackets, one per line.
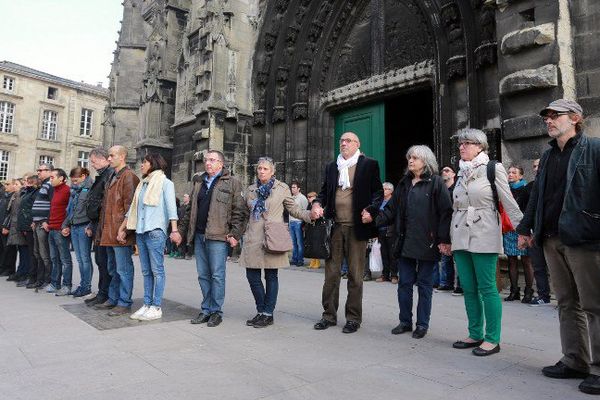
[153, 208]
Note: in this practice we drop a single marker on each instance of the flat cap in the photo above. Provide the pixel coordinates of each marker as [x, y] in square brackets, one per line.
[563, 105]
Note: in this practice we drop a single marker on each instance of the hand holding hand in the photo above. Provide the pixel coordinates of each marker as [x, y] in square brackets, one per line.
[523, 242]
[445, 249]
[366, 217]
[66, 232]
[89, 232]
[232, 241]
[45, 226]
[121, 236]
[176, 238]
[4, 231]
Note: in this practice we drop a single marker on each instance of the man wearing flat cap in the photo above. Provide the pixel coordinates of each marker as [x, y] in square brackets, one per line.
[564, 215]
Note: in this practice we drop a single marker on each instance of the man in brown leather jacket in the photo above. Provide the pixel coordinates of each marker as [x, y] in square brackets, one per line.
[119, 194]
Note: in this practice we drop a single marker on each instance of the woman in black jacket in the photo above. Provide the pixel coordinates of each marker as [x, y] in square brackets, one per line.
[28, 194]
[421, 210]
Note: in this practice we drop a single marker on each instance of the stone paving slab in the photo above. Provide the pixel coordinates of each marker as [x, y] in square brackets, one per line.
[47, 351]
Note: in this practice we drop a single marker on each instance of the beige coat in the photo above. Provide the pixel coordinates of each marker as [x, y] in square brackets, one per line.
[475, 226]
[253, 253]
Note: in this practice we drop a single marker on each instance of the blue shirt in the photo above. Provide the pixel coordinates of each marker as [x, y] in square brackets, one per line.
[150, 218]
[210, 179]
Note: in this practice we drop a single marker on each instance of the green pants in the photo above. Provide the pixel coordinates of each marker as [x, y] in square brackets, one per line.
[477, 273]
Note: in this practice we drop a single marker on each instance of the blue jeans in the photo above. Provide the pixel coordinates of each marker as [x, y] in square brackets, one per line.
[24, 261]
[265, 298]
[210, 264]
[60, 255]
[444, 273]
[411, 271]
[151, 246]
[82, 244]
[297, 241]
[120, 269]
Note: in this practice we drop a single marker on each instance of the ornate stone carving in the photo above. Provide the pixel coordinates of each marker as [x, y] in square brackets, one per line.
[258, 118]
[299, 111]
[457, 67]
[486, 54]
[451, 19]
[278, 114]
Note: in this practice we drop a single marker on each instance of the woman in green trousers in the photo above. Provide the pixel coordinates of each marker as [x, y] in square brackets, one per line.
[476, 233]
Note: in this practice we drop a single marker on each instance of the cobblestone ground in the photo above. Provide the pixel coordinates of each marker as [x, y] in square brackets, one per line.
[47, 350]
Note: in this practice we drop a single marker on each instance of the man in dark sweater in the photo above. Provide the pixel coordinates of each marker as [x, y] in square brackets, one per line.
[99, 161]
[58, 236]
[39, 215]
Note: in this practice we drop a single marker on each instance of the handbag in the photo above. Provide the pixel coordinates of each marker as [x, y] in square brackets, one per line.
[317, 239]
[507, 226]
[503, 218]
[277, 237]
[375, 261]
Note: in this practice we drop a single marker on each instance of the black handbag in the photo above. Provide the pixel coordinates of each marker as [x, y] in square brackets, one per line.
[317, 239]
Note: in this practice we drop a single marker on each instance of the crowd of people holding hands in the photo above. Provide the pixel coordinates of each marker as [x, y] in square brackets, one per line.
[430, 225]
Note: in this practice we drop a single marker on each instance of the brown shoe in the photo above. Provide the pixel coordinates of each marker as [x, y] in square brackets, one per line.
[107, 305]
[395, 280]
[119, 310]
[381, 279]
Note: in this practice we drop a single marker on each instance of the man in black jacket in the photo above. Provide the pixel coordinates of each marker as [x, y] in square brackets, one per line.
[99, 161]
[351, 195]
[564, 214]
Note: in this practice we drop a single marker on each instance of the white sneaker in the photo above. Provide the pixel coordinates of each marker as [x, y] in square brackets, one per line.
[140, 312]
[153, 313]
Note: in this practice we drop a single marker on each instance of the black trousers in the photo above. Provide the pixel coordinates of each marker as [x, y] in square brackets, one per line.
[540, 272]
[33, 261]
[101, 259]
[390, 265]
[9, 258]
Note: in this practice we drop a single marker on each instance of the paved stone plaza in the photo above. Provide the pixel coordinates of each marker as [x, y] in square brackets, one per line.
[47, 352]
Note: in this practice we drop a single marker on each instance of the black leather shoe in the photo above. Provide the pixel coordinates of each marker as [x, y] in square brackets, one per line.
[200, 319]
[31, 285]
[591, 384]
[561, 371]
[478, 351]
[107, 305]
[419, 333]
[264, 321]
[324, 324]
[22, 283]
[95, 301]
[252, 321]
[466, 345]
[214, 320]
[401, 329]
[12, 277]
[351, 327]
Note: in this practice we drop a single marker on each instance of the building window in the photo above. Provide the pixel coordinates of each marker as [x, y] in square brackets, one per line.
[4, 159]
[85, 127]
[83, 159]
[49, 125]
[7, 113]
[48, 160]
[8, 83]
[52, 93]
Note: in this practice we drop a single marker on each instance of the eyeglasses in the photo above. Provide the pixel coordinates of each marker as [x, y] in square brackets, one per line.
[553, 116]
[447, 170]
[347, 140]
[211, 160]
[42, 169]
[465, 144]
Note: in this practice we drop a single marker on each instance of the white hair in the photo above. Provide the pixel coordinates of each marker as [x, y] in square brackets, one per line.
[473, 136]
[425, 154]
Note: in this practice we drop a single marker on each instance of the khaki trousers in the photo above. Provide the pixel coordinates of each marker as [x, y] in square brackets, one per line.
[575, 278]
[344, 245]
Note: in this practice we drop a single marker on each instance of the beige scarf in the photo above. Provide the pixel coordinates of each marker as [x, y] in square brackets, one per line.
[155, 181]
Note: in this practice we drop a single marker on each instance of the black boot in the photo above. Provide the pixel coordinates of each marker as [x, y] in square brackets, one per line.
[527, 295]
[515, 294]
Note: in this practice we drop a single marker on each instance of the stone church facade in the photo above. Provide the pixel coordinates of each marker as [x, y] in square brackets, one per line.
[282, 78]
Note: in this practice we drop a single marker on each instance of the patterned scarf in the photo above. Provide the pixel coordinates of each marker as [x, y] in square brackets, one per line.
[468, 167]
[262, 192]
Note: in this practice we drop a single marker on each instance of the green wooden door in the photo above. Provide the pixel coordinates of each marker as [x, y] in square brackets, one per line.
[369, 124]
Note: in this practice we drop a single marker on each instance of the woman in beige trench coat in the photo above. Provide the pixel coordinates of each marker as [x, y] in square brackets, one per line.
[266, 200]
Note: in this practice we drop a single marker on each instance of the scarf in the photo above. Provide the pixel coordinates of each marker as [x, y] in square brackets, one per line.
[155, 181]
[343, 166]
[467, 168]
[262, 193]
[518, 184]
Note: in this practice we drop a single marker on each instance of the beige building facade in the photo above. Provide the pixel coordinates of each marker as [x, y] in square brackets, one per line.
[45, 118]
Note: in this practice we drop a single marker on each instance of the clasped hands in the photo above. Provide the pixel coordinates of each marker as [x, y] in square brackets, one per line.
[317, 212]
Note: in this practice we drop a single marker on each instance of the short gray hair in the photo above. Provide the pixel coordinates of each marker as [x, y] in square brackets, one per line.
[425, 154]
[266, 160]
[473, 136]
[99, 152]
[388, 185]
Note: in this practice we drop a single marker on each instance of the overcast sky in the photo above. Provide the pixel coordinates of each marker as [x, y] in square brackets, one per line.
[73, 39]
